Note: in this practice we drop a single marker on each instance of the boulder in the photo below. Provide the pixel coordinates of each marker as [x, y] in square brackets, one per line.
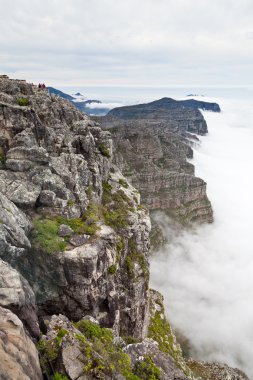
[18, 355]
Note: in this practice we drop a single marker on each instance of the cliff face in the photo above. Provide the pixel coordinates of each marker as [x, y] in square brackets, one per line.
[74, 244]
[57, 184]
[71, 225]
[184, 113]
[153, 155]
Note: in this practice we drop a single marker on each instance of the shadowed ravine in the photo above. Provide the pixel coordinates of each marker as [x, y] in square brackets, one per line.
[206, 274]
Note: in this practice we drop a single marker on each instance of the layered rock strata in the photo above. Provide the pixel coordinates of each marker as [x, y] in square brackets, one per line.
[56, 170]
[154, 156]
[74, 241]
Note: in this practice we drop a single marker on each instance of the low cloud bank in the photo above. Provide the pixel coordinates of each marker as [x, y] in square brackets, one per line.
[103, 105]
[206, 274]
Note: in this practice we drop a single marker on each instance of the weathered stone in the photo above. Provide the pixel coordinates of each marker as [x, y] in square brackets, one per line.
[216, 371]
[78, 240]
[153, 156]
[65, 230]
[14, 227]
[70, 159]
[166, 364]
[18, 355]
[17, 295]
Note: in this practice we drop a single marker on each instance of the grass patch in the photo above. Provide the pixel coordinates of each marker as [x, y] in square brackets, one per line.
[48, 353]
[45, 237]
[104, 150]
[160, 331]
[61, 333]
[100, 356]
[92, 330]
[58, 376]
[134, 256]
[23, 102]
[123, 183]
[147, 370]
[112, 269]
[116, 207]
[71, 202]
[2, 157]
[120, 246]
[45, 233]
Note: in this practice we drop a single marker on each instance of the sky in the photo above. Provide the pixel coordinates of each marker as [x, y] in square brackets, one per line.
[128, 43]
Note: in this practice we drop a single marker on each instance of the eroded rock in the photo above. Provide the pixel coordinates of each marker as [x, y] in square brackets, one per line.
[18, 355]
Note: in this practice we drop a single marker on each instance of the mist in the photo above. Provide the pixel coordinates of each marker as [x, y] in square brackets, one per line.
[206, 274]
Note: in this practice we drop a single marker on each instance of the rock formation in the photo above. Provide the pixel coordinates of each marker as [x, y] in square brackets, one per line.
[18, 355]
[74, 245]
[152, 144]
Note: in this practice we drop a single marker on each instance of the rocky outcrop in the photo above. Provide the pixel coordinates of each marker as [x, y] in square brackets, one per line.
[215, 371]
[17, 295]
[154, 155]
[71, 223]
[75, 241]
[79, 354]
[18, 355]
[184, 113]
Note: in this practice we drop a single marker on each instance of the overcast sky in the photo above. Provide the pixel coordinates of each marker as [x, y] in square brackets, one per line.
[128, 42]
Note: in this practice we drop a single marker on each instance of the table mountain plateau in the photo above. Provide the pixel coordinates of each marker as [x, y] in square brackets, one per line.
[75, 301]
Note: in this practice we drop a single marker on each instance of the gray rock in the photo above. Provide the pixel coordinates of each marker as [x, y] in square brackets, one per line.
[18, 355]
[14, 227]
[65, 230]
[17, 295]
[78, 240]
[153, 155]
[217, 371]
[166, 364]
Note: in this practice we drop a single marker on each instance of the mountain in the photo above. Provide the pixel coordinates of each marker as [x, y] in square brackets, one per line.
[53, 90]
[74, 257]
[152, 147]
[165, 107]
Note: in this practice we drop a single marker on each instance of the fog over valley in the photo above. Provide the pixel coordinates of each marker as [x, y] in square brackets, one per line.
[205, 274]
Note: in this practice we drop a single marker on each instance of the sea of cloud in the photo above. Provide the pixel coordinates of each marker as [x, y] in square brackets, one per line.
[206, 274]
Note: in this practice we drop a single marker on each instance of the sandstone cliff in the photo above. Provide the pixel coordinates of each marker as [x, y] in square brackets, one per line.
[74, 245]
[152, 147]
[70, 222]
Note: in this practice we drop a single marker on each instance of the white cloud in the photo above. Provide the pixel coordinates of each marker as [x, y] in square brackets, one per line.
[103, 105]
[121, 42]
[206, 274]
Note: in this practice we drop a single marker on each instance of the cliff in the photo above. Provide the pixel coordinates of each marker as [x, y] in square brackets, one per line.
[70, 223]
[152, 147]
[184, 113]
[74, 269]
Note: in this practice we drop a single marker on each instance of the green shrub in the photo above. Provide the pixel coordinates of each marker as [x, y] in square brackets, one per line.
[70, 202]
[123, 183]
[104, 150]
[23, 102]
[160, 331]
[93, 330]
[112, 269]
[147, 370]
[107, 193]
[134, 256]
[61, 333]
[2, 157]
[116, 207]
[45, 236]
[79, 225]
[58, 376]
[45, 233]
[116, 219]
[48, 352]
